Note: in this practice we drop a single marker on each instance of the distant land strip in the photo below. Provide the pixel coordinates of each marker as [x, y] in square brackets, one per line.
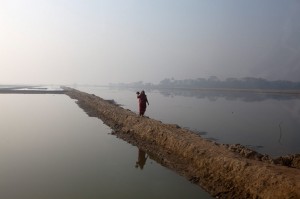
[247, 83]
[245, 90]
[12, 91]
[225, 171]
[271, 91]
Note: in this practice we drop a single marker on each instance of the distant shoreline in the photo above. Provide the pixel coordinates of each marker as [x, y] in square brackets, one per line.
[33, 91]
[294, 92]
[251, 83]
[18, 90]
[271, 91]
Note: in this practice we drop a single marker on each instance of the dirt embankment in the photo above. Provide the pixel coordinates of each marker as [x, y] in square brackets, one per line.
[225, 171]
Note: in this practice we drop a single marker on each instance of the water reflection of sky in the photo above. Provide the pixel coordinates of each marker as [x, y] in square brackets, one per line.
[268, 123]
[50, 148]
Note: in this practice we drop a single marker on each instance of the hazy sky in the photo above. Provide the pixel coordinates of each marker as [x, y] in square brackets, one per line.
[102, 41]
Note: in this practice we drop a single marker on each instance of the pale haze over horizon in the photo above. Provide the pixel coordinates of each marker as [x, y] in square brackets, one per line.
[111, 41]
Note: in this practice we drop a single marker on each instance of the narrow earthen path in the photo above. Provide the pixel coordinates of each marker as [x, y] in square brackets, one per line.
[224, 171]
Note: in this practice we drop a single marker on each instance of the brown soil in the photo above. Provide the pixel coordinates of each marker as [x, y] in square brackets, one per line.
[225, 171]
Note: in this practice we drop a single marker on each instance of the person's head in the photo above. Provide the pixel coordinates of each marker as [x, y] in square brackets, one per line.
[143, 92]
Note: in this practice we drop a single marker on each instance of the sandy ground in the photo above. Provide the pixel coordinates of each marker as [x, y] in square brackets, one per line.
[225, 171]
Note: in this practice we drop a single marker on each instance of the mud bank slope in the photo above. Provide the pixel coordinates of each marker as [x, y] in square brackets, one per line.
[224, 171]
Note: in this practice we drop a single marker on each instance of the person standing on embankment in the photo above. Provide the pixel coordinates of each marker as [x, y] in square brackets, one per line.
[143, 101]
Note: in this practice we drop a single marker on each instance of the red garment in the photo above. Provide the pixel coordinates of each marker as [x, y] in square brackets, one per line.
[142, 103]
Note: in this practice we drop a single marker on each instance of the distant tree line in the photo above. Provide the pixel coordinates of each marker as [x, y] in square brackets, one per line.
[214, 82]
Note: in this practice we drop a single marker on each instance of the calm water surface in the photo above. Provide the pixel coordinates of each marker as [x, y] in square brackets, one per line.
[51, 149]
[268, 123]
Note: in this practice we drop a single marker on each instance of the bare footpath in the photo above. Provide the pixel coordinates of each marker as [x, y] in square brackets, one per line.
[225, 171]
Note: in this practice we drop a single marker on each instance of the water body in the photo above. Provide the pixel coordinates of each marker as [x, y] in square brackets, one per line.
[267, 123]
[50, 148]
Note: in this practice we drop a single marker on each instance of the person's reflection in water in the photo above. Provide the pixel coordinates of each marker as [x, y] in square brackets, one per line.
[141, 159]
